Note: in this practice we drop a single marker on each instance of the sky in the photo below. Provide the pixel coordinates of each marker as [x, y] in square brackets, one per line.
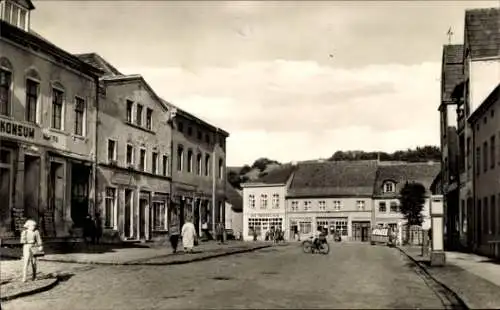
[289, 81]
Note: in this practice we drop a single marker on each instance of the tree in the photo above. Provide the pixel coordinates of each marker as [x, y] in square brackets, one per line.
[412, 199]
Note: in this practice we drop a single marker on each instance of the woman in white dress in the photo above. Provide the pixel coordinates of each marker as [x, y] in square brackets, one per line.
[188, 235]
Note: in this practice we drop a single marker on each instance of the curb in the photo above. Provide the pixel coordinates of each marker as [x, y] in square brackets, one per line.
[459, 301]
[143, 262]
[33, 291]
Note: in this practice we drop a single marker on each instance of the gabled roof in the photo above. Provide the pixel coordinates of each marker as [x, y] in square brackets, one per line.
[196, 119]
[452, 70]
[482, 32]
[334, 178]
[234, 198]
[277, 176]
[423, 173]
[35, 41]
[99, 62]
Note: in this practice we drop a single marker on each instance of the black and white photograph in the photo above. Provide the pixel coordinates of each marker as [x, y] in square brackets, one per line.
[176, 154]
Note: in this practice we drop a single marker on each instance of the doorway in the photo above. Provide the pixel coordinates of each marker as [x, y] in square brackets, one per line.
[6, 179]
[144, 216]
[128, 233]
[31, 186]
[79, 193]
[361, 231]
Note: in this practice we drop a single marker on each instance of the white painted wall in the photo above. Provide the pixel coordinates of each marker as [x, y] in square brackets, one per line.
[484, 77]
[234, 220]
[396, 217]
[258, 210]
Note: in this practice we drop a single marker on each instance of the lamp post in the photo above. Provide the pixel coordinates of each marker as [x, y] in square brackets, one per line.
[438, 256]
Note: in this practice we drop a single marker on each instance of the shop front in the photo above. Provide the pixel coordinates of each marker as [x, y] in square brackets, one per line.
[261, 223]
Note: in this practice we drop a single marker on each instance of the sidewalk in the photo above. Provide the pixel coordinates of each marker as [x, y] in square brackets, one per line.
[53, 267]
[475, 279]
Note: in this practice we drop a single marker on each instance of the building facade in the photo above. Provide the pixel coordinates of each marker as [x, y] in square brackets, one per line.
[47, 130]
[264, 204]
[198, 170]
[391, 178]
[234, 210]
[486, 130]
[335, 195]
[480, 77]
[451, 96]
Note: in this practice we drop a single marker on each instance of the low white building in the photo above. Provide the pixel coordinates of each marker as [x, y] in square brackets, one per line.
[264, 202]
[234, 210]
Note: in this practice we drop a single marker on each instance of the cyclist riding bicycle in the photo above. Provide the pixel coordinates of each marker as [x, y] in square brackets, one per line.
[319, 235]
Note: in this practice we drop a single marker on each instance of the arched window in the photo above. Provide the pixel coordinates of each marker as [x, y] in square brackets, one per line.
[5, 86]
[190, 161]
[198, 164]
[180, 157]
[207, 165]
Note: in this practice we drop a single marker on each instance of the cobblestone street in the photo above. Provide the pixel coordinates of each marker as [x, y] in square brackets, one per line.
[351, 276]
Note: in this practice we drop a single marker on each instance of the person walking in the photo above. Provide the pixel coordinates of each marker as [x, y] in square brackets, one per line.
[188, 235]
[173, 233]
[32, 246]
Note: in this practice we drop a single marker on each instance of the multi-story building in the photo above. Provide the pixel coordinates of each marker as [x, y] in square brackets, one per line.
[47, 129]
[337, 195]
[481, 70]
[133, 155]
[485, 124]
[391, 178]
[264, 202]
[451, 79]
[198, 169]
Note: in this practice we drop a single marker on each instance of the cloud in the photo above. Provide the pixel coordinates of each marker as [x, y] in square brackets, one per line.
[294, 110]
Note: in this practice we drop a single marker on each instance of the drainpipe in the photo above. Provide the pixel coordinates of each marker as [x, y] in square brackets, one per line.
[213, 185]
[171, 164]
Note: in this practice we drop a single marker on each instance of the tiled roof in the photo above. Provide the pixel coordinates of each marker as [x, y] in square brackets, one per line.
[279, 175]
[99, 62]
[333, 178]
[482, 31]
[234, 198]
[423, 173]
[452, 67]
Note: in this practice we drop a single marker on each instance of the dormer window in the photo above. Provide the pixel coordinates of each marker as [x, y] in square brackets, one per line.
[15, 14]
[389, 187]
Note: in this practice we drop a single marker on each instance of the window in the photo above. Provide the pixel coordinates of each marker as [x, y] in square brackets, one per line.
[394, 207]
[493, 216]
[485, 156]
[198, 164]
[5, 82]
[190, 131]
[207, 165]
[15, 15]
[130, 105]
[79, 116]
[478, 160]
[263, 201]
[360, 204]
[260, 225]
[199, 136]
[111, 151]
[180, 126]
[190, 161]
[130, 154]
[159, 215]
[251, 201]
[154, 163]
[57, 108]
[8, 11]
[336, 205]
[486, 226]
[110, 208]
[207, 138]
[307, 205]
[22, 19]
[382, 207]
[322, 205]
[149, 118]
[492, 152]
[138, 115]
[388, 187]
[165, 165]
[221, 168]
[479, 217]
[305, 227]
[31, 100]
[142, 160]
[180, 157]
[295, 206]
[340, 225]
[469, 157]
[276, 201]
